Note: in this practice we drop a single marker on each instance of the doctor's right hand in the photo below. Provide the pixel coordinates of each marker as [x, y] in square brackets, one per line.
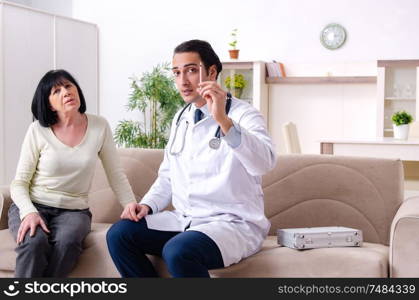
[135, 211]
[30, 222]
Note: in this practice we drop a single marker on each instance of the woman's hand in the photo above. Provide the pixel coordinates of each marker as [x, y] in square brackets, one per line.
[30, 222]
[135, 211]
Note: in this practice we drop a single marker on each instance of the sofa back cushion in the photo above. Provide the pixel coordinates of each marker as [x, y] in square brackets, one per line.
[301, 191]
[141, 167]
[327, 190]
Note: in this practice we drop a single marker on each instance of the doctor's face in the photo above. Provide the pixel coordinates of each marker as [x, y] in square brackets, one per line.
[185, 67]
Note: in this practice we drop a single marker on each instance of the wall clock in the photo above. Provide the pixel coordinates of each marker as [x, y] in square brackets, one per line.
[333, 36]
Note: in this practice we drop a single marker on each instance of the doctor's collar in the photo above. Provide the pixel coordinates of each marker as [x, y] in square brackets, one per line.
[203, 108]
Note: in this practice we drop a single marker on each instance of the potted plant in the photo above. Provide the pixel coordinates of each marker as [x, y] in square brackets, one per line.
[401, 120]
[156, 97]
[236, 85]
[234, 52]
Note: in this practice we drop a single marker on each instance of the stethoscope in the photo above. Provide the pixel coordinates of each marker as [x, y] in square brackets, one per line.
[214, 143]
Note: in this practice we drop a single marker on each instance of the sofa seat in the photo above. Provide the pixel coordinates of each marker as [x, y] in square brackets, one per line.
[370, 260]
[8, 255]
[94, 261]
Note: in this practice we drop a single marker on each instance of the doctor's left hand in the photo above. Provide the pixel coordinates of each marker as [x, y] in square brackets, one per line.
[134, 211]
[216, 101]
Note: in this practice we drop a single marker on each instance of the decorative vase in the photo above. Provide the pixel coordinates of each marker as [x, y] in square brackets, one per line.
[234, 54]
[401, 132]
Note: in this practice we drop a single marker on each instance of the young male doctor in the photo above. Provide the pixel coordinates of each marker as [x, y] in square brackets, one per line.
[211, 173]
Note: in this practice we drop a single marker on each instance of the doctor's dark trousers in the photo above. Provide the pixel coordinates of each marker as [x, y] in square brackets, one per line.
[186, 254]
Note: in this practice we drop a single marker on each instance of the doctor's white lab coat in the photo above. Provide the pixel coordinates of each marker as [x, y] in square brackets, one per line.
[217, 192]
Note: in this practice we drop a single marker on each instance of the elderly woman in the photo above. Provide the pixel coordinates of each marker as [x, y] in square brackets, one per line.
[50, 215]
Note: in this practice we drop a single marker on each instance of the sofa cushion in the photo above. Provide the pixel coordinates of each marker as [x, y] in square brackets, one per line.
[370, 260]
[362, 193]
[95, 260]
[140, 166]
[7, 274]
[7, 251]
[95, 247]
[327, 190]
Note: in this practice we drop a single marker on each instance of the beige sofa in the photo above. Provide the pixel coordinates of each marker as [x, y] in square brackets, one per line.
[302, 191]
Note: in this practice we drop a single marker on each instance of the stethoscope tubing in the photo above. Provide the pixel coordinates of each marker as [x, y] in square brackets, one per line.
[217, 132]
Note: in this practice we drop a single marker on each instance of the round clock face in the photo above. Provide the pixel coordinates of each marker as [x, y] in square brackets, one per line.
[333, 36]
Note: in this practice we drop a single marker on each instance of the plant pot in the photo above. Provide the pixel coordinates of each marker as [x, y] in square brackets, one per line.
[237, 93]
[401, 132]
[234, 54]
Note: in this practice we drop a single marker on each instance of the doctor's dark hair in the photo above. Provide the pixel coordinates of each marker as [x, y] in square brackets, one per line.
[41, 108]
[205, 51]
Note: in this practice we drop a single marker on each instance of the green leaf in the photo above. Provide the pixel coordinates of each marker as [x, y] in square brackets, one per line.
[401, 118]
[239, 82]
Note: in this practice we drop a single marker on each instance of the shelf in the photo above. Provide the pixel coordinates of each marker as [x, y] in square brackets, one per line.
[320, 80]
[237, 65]
[406, 63]
[399, 99]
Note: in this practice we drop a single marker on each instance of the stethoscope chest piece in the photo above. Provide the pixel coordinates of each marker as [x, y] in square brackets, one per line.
[214, 143]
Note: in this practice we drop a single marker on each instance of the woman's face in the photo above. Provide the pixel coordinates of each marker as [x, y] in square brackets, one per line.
[64, 98]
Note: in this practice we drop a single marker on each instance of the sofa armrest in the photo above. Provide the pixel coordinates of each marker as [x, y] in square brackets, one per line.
[5, 202]
[404, 240]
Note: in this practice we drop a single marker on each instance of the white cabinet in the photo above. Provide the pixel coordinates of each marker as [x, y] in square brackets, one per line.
[254, 73]
[76, 50]
[31, 43]
[397, 82]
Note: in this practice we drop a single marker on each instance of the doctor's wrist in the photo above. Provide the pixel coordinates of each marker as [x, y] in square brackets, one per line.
[225, 125]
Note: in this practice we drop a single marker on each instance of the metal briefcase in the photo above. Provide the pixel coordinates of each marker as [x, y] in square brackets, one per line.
[319, 237]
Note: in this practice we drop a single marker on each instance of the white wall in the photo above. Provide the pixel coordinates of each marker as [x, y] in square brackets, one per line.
[322, 111]
[22, 2]
[135, 35]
